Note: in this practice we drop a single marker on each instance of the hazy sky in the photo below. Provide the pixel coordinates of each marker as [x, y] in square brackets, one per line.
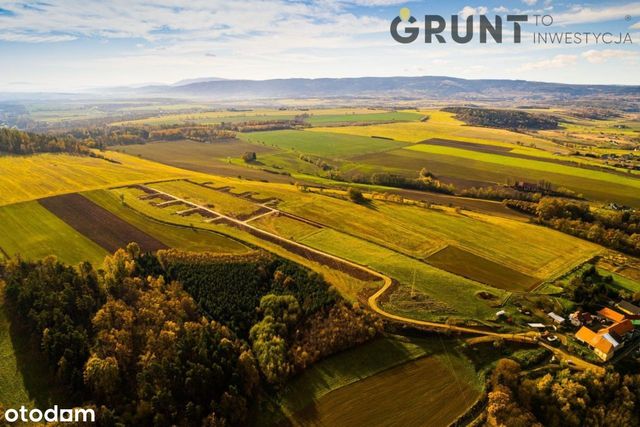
[74, 44]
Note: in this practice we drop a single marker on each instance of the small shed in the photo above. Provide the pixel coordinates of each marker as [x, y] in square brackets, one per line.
[536, 325]
[556, 318]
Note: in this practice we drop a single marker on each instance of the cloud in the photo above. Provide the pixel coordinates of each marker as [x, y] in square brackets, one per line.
[35, 38]
[529, 2]
[602, 56]
[558, 61]
[470, 11]
[635, 26]
[583, 15]
[500, 9]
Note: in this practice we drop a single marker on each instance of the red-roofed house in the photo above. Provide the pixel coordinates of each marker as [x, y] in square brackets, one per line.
[606, 341]
[612, 315]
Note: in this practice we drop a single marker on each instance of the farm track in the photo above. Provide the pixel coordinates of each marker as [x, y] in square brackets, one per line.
[366, 273]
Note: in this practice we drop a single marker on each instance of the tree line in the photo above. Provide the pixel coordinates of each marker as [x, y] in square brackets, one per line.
[19, 142]
[503, 119]
[615, 229]
[562, 398]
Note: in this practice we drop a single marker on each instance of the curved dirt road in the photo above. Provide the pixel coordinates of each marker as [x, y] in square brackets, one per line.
[526, 337]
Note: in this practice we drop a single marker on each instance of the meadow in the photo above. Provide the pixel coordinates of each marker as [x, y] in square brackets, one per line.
[418, 232]
[442, 294]
[212, 158]
[342, 119]
[214, 117]
[474, 267]
[467, 168]
[33, 232]
[217, 200]
[445, 126]
[329, 391]
[437, 389]
[32, 177]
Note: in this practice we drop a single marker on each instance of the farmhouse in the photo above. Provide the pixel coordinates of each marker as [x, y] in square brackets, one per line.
[606, 341]
[579, 318]
[611, 315]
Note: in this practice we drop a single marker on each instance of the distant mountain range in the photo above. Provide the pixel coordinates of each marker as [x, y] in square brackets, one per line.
[429, 87]
[389, 89]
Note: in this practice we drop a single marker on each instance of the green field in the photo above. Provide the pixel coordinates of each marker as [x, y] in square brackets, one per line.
[322, 144]
[186, 238]
[30, 230]
[466, 264]
[219, 201]
[329, 393]
[418, 232]
[443, 294]
[211, 158]
[443, 125]
[335, 119]
[467, 168]
[286, 227]
[32, 177]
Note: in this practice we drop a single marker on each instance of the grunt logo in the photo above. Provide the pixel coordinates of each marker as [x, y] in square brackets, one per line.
[435, 25]
[405, 29]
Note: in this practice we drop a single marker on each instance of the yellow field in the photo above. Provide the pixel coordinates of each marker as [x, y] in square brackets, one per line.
[32, 177]
[444, 125]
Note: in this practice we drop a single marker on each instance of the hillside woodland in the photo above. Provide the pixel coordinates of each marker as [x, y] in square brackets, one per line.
[179, 338]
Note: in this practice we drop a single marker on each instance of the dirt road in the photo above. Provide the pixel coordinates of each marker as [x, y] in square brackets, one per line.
[373, 301]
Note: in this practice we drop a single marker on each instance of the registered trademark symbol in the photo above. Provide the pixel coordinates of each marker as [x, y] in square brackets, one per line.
[627, 18]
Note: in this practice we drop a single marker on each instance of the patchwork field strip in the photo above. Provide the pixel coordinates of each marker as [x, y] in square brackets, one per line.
[98, 224]
[467, 264]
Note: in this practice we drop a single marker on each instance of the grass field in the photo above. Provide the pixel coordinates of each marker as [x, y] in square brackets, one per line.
[206, 158]
[33, 232]
[418, 232]
[328, 391]
[286, 227]
[335, 119]
[98, 224]
[443, 125]
[32, 177]
[470, 168]
[324, 144]
[621, 282]
[186, 238]
[443, 294]
[212, 117]
[217, 200]
[432, 391]
[471, 266]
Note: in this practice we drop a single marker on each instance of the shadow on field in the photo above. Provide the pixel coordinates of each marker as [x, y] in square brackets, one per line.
[354, 365]
[39, 381]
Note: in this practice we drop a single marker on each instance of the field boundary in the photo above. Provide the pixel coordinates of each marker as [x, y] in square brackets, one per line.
[93, 221]
[187, 227]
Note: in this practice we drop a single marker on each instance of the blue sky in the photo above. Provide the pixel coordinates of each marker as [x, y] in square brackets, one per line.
[75, 44]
